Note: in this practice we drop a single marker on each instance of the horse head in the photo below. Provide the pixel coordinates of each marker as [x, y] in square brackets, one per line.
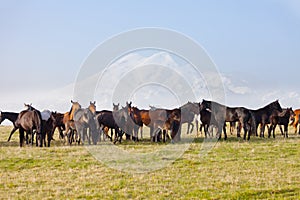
[75, 106]
[205, 105]
[92, 107]
[28, 107]
[116, 107]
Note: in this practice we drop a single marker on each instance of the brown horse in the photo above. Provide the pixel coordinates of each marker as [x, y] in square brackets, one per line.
[296, 121]
[30, 121]
[68, 121]
[163, 120]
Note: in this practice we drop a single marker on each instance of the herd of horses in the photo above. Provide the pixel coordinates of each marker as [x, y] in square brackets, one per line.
[87, 124]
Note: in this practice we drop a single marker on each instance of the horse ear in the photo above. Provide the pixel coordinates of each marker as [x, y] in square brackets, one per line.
[72, 101]
[30, 104]
[95, 102]
[118, 104]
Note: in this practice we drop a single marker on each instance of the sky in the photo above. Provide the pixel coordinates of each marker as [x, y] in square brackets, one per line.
[255, 46]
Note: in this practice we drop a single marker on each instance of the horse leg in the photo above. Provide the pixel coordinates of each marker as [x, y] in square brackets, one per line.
[188, 128]
[192, 129]
[141, 127]
[262, 130]
[285, 130]
[270, 130]
[280, 127]
[274, 130]
[11, 133]
[21, 136]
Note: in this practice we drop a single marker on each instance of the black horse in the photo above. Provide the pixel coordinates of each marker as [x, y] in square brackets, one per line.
[11, 116]
[115, 120]
[207, 119]
[262, 116]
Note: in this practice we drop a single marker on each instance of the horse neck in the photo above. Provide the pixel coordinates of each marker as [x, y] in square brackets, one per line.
[71, 113]
[10, 116]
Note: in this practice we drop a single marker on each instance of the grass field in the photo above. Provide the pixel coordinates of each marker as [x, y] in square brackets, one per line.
[233, 169]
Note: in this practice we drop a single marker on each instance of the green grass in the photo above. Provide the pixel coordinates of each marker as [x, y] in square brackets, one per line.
[233, 169]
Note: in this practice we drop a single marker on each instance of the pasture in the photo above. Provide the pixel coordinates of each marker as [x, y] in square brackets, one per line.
[233, 169]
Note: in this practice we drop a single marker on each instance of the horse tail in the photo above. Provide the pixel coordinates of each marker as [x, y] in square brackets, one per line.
[39, 125]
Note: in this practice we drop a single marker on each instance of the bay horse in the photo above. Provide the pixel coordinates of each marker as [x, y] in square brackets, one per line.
[262, 116]
[224, 114]
[188, 113]
[296, 120]
[11, 116]
[30, 121]
[281, 118]
[140, 118]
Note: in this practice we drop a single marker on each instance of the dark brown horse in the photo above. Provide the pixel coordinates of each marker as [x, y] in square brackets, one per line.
[11, 116]
[30, 121]
[48, 124]
[281, 118]
[58, 123]
[224, 114]
[262, 116]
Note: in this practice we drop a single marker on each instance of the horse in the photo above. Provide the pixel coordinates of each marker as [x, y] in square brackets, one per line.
[116, 120]
[58, 123]
[48, 124]
[188, 112]
[84, 119]
[207, 119]
[296, 120]
[106, 121]
[281, 118]
[28, 121]
[11, 116]
[262, 116]
[68, 121]
[224, 114]
[116, 106]
[163, 120]
[140, 118]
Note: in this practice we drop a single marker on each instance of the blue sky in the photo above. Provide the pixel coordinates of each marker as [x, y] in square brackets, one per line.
[255, 43]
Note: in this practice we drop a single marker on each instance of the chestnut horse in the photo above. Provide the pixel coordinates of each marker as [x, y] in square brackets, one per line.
[295, 121]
